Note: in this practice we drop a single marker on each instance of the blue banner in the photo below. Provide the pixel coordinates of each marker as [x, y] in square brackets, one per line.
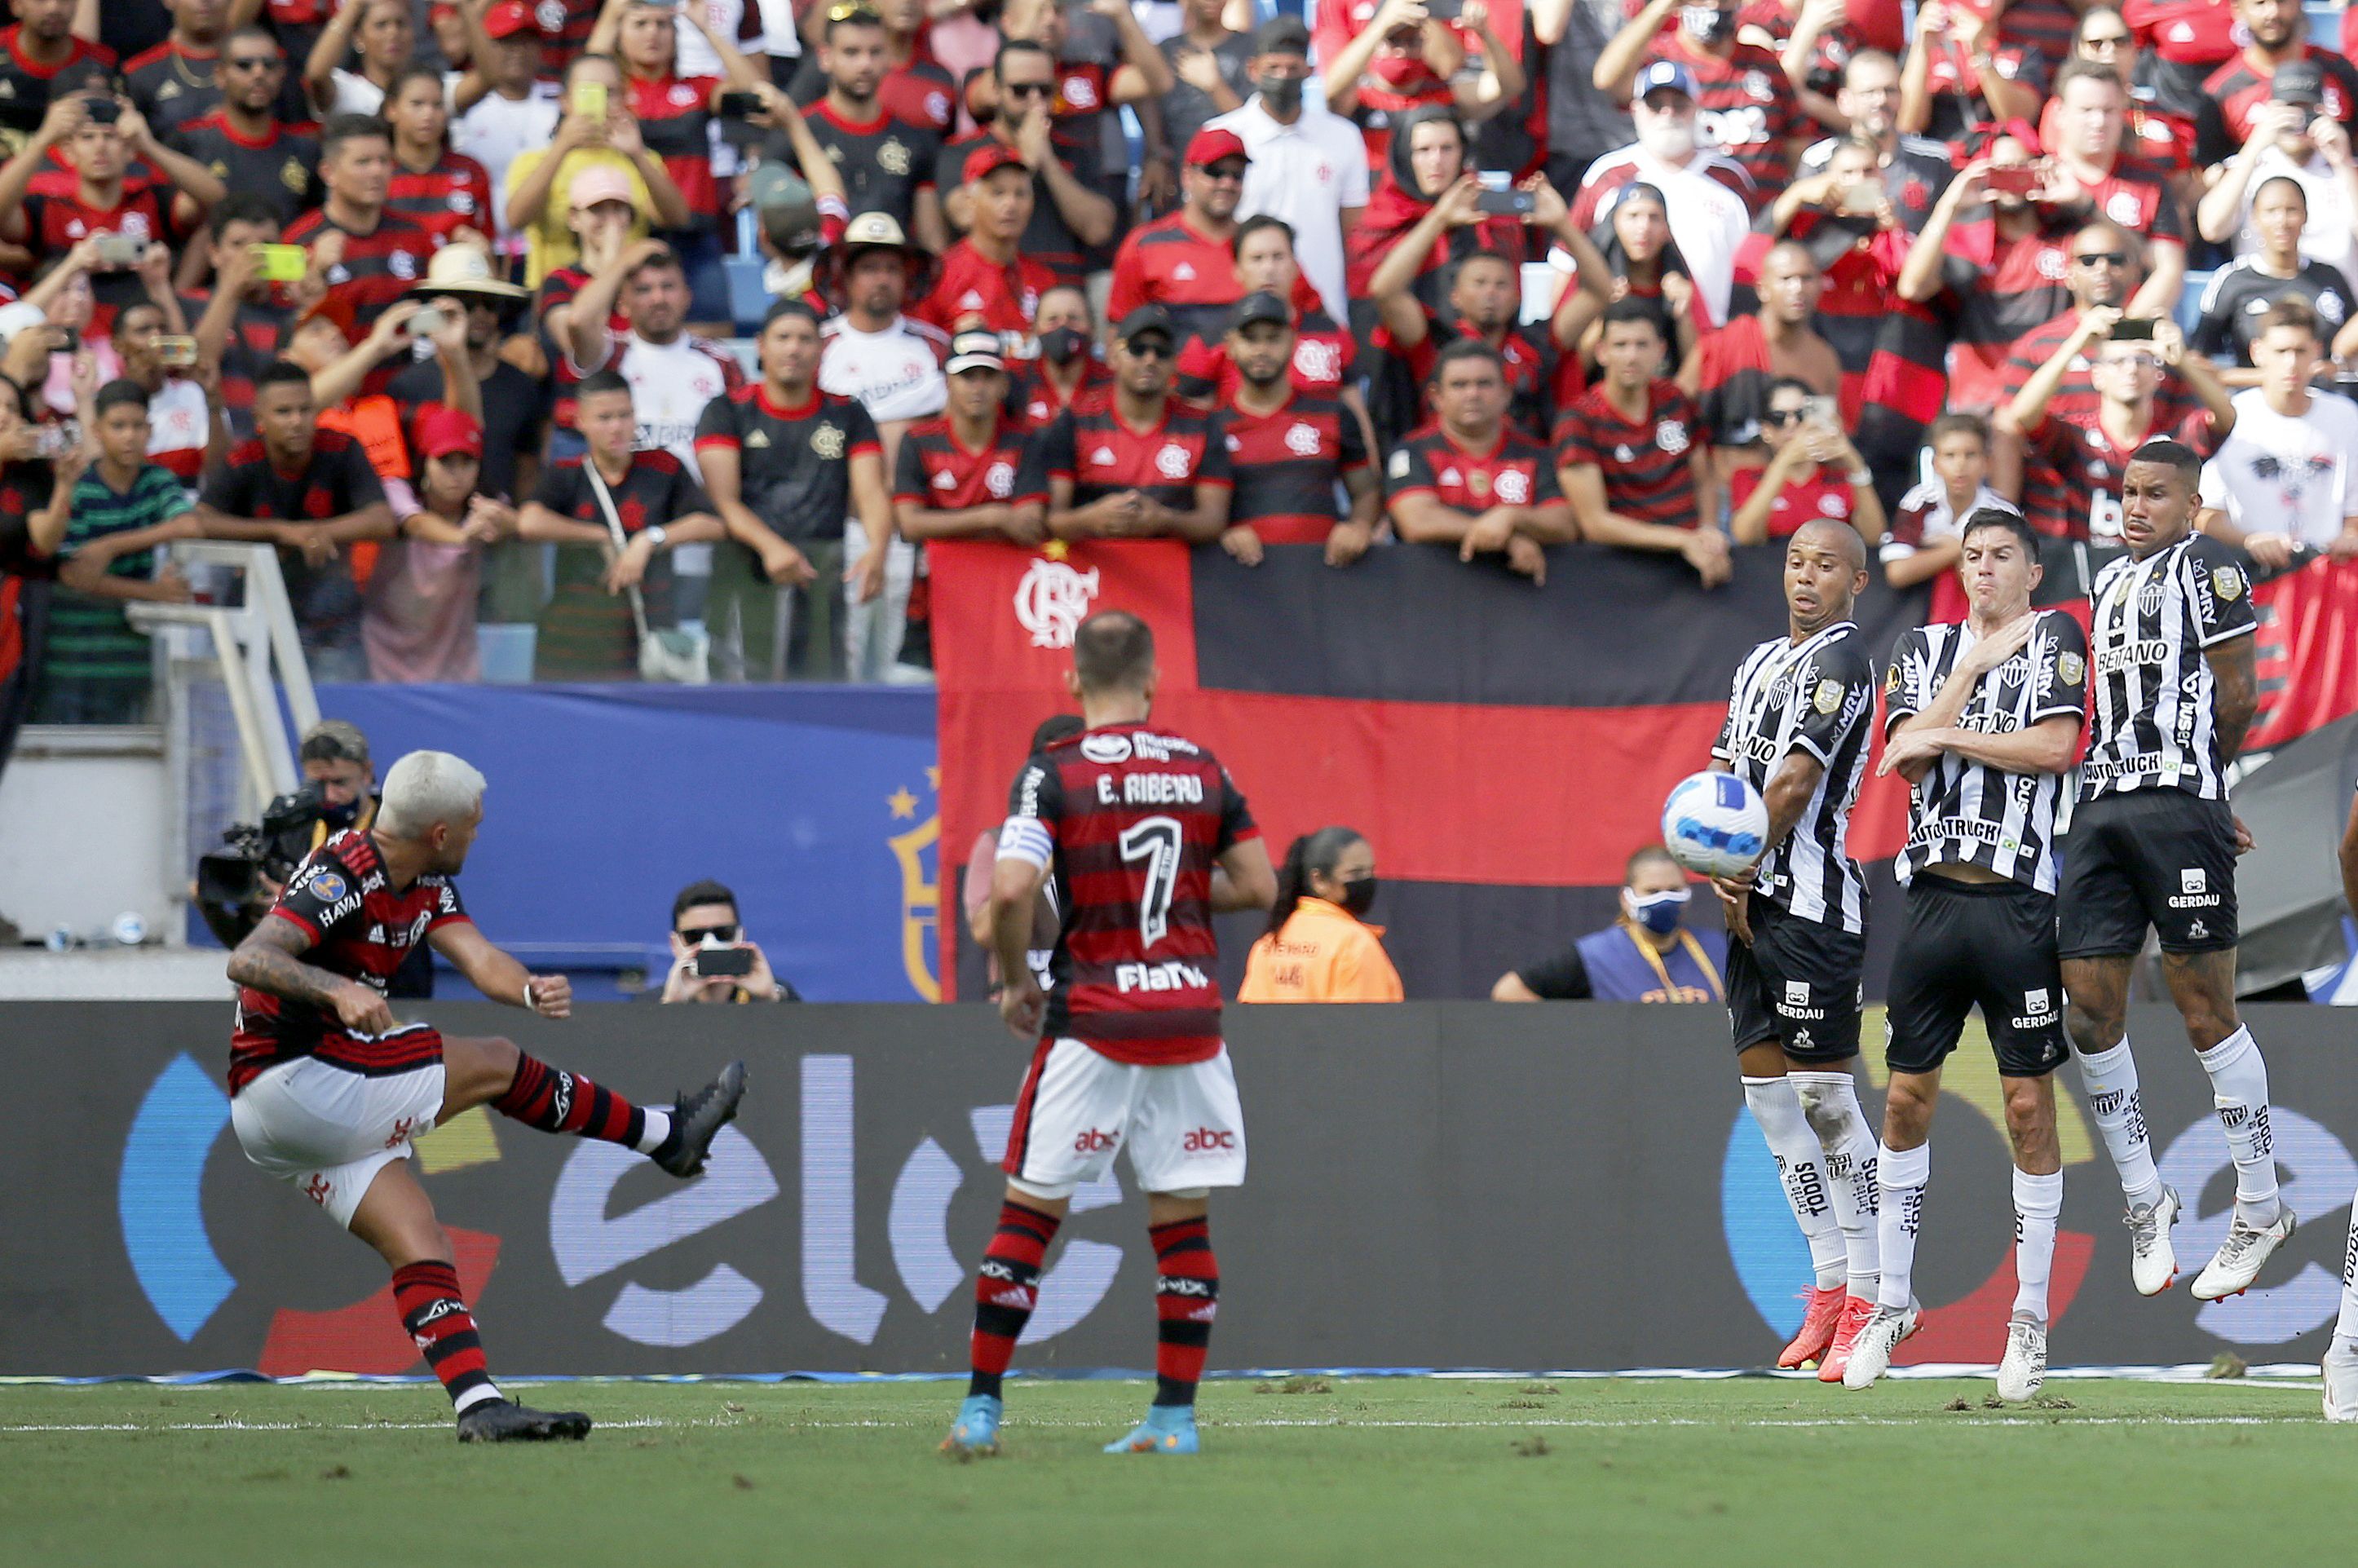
[815, 803]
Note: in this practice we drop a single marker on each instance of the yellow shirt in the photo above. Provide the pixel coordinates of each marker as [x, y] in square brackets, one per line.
[1323, 953]
[548, 240]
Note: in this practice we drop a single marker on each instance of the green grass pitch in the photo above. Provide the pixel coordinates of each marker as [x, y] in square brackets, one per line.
[1303, 1470]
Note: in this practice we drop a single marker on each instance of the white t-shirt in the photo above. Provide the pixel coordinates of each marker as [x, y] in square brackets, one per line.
[896, 373]
[494, 131]
[178, 422]
[670, 384]
[2327, 236]
[1305, 173]
[2280, 475]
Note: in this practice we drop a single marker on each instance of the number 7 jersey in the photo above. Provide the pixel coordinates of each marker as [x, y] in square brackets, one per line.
[1130, 821]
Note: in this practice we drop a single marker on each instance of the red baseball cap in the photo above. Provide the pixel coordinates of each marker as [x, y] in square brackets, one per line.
[509, 17]
[1211, 145]
[990, 158]
[441, 431]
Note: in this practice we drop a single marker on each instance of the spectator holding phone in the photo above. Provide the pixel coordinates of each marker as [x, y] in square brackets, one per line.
[712, 959]
[2290, 139]
[503, 105]
[1915, 170]
[2087, 458]
[2275, 35]
[1812, 472]
[240, 320]
[1968, 67]
[159, 359]
[1406, 57]
[598, 133]
[1733, 369]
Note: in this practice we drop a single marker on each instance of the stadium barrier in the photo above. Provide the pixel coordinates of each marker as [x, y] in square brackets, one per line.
[1451, 1184]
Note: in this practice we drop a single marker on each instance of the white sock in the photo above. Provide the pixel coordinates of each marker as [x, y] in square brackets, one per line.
[2038, 1205]
[1902, 1175]
[481, 1393]
[2110, 1079]
[1777, 1109]
[1829, 1100]
[658, 1130]
[2239, 1087]
[2345, 1331]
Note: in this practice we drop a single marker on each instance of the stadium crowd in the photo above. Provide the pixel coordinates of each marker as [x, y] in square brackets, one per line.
[673, 332]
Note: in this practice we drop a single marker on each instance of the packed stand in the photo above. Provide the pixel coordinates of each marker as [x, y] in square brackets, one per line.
[582, 341]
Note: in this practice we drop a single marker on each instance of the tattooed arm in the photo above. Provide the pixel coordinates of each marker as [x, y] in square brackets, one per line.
[270, 960]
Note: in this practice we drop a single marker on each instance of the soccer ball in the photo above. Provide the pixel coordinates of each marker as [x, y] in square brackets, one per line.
[1714, 824]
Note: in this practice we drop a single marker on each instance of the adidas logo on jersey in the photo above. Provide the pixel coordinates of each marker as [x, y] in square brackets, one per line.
[1183, 273]
[1102, 456]
[946, 481]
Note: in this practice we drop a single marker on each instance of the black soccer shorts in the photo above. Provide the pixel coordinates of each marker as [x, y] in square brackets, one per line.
[2163, 858]
[1797, 983]
[1963, 943]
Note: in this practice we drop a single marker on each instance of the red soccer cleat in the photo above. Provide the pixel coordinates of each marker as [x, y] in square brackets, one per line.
[1856, 1310]
[1818, 1325]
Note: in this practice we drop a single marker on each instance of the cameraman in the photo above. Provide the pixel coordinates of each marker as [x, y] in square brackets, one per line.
[334, 757]
[704, 921]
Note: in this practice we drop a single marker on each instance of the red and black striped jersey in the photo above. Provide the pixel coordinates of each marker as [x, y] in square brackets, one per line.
[935, 472]
[1528, 352]
[172, 84]
[1031, 395]
[1100, 454]
[574, 21]
[2136, 198]
[1513, 472]
[455, 194]
[2159, 138]
[1287, 464]
[1648, 462]
[56, 222]
[1861, 269]
[25, 85]
[281, 168]
[884, 162]
[1167, 263]
[2034, 38]
[1747, 108]
[674, 114]
[2072, 490]
[2224, 118]
[1733, 370]
[1867, 24]
[2002, 288]
[2075, 400]
[1131, 821]
[2188, 40]
[360, 929]
[378, 267]
[1323, 356]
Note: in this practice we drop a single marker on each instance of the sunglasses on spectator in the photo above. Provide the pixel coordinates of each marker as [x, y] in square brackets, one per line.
[254, 62]
[1029, 89]
[1783, 416]
[1148, 349]
[2103, 258]
[1225, 172]
[696, 936]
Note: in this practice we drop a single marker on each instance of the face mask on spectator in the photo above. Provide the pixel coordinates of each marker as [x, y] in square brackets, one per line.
[1657, 911]
[1359, 893]
[1400, 71]
[1706, 24]
[1282, 93]
[1672, 141]
[1061, 345]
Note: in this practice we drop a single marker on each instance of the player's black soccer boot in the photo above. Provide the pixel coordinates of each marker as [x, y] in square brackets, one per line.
[697, 1120]
[504, 1421]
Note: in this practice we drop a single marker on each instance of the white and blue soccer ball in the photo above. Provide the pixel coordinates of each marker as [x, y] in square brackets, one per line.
[1714, 824]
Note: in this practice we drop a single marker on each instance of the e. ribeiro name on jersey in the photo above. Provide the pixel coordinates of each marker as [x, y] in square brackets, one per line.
[1817, 697]
[1968, 813]
[2153, 718]
[1131, 821]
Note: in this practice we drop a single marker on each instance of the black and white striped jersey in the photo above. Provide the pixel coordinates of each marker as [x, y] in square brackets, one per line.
[1816, 696]
[2152, 711]
[1968, 813]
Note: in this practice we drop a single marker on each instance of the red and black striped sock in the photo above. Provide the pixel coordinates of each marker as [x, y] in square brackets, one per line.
[427, 1296]
[557, 1101]
[1005, 1289]
[1186, 1299]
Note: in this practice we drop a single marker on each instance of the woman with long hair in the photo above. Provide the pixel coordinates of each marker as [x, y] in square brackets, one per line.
[1319, 947]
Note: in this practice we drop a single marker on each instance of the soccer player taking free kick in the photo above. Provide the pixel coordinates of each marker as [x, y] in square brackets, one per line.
[328, 1092]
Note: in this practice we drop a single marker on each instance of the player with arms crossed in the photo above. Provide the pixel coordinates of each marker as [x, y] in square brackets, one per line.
[1798, 727]
[2153, 843]
[327, 1091]
[1984, 720]
[1147, 838]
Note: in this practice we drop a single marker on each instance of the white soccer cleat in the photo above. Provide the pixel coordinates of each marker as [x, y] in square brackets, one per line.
[2341, 1370]
[2024, 1369]
[2242, 1255]
[2153, 1262]
[1870, 1353]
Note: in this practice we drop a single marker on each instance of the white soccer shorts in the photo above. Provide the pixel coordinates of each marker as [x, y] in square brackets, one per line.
[1183, 1125]
[330, 1131]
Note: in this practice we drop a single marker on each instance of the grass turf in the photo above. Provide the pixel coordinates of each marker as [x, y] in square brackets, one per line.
[1303, 1470]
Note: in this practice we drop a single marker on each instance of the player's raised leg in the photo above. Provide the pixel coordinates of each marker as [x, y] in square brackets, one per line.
[496, 1073]
[2203, 985]
[2096, 1016]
